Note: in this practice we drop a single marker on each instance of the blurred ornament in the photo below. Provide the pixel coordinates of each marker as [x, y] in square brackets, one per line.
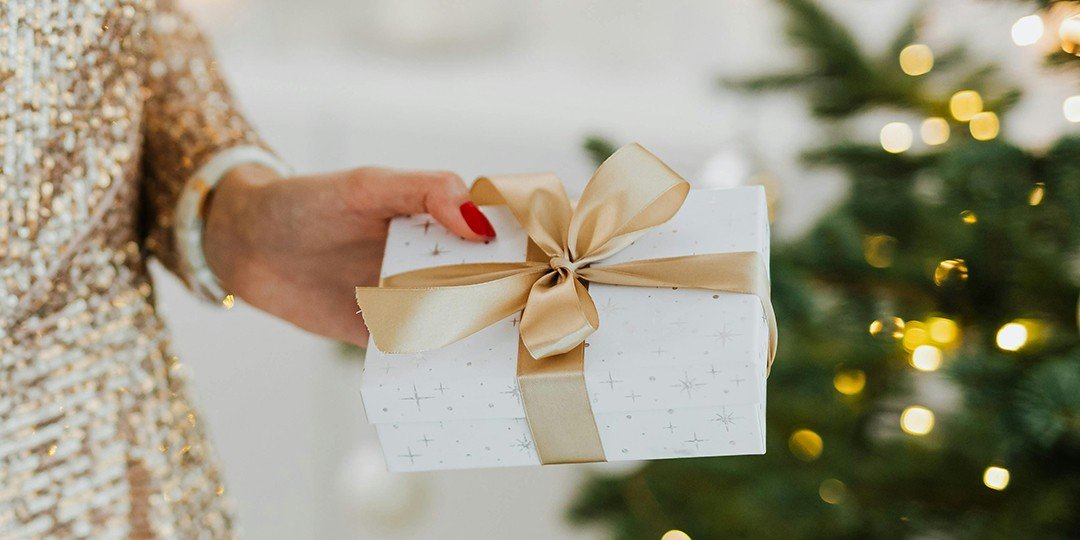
[1069, 33]
[725, 169]
[806, 445]
[965, 104]
[949, 271]
[934, 130]
[996, 478]
[942, 330]
[888, 326]
[916, 59]
[896, 137]
[1027, 30]
[917, 420]
[1071, 108]
[374, 495]
[832, 491]
[1012, 336]
[850, 381]
[675, 534]
[1035, 198]
[984, 126]
[926, 358]
[915, 334]
[879, 250]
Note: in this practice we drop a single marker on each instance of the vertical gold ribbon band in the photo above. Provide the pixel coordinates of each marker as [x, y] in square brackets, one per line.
[629, 193]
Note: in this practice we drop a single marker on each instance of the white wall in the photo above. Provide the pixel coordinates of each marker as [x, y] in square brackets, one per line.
[491, 86]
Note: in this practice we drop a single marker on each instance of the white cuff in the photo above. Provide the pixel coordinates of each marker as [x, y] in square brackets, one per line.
[189, 214]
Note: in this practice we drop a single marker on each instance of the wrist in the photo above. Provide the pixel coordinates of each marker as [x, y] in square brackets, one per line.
[231, 212]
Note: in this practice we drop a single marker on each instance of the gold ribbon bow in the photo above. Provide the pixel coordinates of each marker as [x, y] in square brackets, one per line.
[629, 193]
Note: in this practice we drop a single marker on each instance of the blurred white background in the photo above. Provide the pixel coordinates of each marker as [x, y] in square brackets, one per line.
[490, 86]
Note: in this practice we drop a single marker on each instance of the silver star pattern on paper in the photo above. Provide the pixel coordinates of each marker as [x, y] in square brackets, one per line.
[426, 225]
[713, 371]
[409, 454]
[610, 381]
[670, 427]
[513, 391]
[696, 441]
[727, 419]
[426, 440]
[609, 307]
[687, 384]
[523, 444]
[442, 389]
[632, 396]
[416, 397]
[724, 335]
[738, 381]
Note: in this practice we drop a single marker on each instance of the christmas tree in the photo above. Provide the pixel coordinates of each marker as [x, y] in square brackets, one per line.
[928, 377]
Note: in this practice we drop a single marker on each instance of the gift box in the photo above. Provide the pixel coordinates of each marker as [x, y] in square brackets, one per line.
[670, 372]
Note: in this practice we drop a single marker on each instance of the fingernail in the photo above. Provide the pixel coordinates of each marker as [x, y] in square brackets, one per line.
[476, 220]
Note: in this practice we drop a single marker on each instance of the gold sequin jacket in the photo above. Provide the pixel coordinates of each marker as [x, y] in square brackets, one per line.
[106, 108]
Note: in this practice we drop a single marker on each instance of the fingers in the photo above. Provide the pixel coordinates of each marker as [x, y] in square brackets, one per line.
[441, 194]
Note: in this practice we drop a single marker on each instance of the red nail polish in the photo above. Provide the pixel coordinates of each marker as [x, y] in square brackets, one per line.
[476, 220]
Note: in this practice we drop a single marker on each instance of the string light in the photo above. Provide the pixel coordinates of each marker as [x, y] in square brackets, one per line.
[806, 445]
[832, 491]
[969, 217]
[1071, 108]
[889, 326]
[879, 249]
[896, 137]
[984, 126]
[675, 534]
[916, 59]
[996, 478]
[942, 330]
[950, 270]
[917, 420]
[1069, 33]
[1035, 198]
[915, 334]
[965, 104]
[1012, 336]
[934, 130]
[1027, 30]
[926, 358]
[850, 382]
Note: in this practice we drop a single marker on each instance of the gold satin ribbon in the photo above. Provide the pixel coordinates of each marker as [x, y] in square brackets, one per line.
[629, 193]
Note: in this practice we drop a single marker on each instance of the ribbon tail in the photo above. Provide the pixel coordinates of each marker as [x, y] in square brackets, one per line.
[409, 319]
[741, 272]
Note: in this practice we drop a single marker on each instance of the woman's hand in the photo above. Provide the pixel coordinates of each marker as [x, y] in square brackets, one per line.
[297, 247]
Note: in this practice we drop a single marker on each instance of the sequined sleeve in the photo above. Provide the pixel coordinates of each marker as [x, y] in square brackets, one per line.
[189, 116]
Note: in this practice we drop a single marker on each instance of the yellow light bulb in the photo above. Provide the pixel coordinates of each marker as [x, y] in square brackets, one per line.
[965, 104]
[806, 445]
[1071, 108]
[896, 137]
[850, 382]
[984, 126]
[1027, 30]
[996, 478]
[915, 334]
[943, 330]
[1012, 336]
[926, 358]
[916, 420]
[1035, 198]
[934, 130]
[950, 270]
[675, 534]
[916, 59]
[832, 491]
